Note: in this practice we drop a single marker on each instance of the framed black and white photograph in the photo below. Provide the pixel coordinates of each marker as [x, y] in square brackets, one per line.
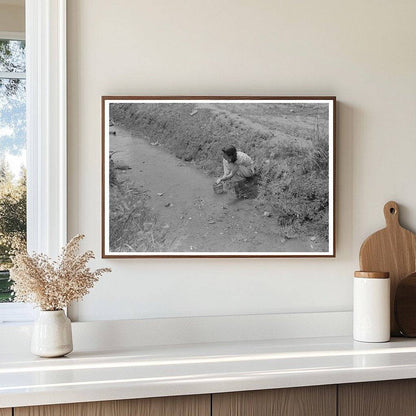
[218, 176]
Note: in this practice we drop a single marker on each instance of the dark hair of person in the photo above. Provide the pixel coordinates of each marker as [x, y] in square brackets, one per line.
[230, 151]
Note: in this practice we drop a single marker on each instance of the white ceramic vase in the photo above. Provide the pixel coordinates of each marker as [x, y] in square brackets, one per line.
[52, 334]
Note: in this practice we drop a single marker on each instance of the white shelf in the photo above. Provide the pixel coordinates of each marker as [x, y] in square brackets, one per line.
[150, 371]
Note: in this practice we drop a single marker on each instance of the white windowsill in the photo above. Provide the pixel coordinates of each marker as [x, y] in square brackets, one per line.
[16, 313]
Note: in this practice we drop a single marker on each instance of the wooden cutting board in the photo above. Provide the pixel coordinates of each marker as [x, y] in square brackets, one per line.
[393, 250]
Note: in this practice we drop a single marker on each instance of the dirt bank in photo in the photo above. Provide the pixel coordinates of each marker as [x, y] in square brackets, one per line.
[179, 212]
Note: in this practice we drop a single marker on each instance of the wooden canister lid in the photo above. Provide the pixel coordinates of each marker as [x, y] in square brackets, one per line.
[372, 275]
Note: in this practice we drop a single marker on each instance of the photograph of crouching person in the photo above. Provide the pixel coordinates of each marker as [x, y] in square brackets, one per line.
[237, 165]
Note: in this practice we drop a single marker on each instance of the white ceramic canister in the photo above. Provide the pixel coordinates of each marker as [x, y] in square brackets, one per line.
[371, 313]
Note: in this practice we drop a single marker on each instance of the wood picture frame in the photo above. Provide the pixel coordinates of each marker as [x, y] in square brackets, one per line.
[162, 157]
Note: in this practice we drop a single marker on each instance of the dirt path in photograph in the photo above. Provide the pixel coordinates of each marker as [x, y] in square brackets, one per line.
[194, 217]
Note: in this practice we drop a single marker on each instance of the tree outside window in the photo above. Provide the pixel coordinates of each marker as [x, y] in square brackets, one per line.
[12, 156]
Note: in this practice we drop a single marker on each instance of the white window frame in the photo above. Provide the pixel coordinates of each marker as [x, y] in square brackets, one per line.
[46, 127]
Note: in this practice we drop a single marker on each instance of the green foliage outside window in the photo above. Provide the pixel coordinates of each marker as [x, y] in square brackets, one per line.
[12, 145]
[12, 223]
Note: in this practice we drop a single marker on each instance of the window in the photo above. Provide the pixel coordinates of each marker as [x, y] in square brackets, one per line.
[45, 27]
[12, 153]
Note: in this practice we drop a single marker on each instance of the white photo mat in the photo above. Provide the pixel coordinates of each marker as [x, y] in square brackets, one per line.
[183, 217]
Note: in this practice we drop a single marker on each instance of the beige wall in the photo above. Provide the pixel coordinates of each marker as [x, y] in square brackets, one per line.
[361, 51]
[12, 18]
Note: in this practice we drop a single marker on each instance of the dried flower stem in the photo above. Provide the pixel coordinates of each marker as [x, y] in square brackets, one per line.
[53, 285]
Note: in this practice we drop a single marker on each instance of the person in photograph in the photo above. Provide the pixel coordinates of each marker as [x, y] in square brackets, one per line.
[237, 165]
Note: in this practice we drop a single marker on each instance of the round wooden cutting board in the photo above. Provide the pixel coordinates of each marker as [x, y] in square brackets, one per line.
[393, 250]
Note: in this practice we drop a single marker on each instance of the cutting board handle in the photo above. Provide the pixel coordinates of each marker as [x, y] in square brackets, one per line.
[391, 214]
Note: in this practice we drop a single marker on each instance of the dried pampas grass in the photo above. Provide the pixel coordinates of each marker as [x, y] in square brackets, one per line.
[53, 285]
